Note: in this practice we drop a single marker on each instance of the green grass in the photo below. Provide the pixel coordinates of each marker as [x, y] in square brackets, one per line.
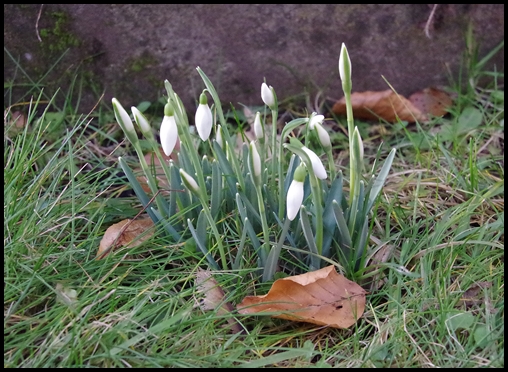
[439, 220]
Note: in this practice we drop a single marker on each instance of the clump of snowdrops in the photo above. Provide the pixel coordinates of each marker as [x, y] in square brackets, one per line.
[271, 194]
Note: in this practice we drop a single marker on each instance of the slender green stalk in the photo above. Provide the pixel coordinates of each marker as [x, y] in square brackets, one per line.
[297, 147]
[150, 179]
[318, 208]
[213, 226]
[331, 164]
[273, 256]
[265, 249]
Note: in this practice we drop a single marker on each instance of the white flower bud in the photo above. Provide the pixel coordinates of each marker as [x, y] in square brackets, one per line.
[324, 137]
[140, 119]
[123, 118]
[259, 129]
[255, 162]
[218, 136]
[189, 182]
[267, 95]
[345, 68]
[357, 142]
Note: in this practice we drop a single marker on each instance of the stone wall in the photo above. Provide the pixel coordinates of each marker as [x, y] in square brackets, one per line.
[130, 49]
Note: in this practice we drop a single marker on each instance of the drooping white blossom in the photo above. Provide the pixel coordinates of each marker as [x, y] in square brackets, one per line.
[169, 134]
[317, 165]
[294, 197]
[203, 118]
[315, 119]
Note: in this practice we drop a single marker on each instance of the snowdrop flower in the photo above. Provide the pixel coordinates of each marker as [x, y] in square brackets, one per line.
[189, 182]
[267, 95]
[123, 118]
[259, 129]
[357, 142]
[169, 131]
[255, 163]
[345, 68]
[294, 197]
[203, 118]
[317, 165]
[218, 136]
[140, 119]
[315, 119]
[323, 135]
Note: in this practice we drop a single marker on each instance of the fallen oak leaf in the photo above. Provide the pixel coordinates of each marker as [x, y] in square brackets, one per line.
[321, 297]
[432, 101]
[371, 105]
[123, 233]
[154, 164]
[213, 297]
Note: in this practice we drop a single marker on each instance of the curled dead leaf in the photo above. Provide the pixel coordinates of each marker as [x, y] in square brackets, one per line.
[213, 297]
[123, 233]
[386, 104]
[390, 106]
[432, 101]
[154, 164]
[321, 297]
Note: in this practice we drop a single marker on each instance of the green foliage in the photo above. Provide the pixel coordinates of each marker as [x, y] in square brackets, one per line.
[242, 191]
[440, 218]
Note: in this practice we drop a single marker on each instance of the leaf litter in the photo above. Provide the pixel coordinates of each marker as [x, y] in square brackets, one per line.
[390, 106]
[321, 297]
[125, 233]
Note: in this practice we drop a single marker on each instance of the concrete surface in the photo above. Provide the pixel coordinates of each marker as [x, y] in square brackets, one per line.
[129, 49]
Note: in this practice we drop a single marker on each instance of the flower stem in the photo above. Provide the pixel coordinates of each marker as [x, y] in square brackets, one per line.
[265, 248]
[318, 205]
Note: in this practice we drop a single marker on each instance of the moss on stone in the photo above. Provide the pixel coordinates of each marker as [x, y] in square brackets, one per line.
[59, 36]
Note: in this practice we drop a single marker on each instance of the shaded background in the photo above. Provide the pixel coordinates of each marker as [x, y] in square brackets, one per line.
[128, 50]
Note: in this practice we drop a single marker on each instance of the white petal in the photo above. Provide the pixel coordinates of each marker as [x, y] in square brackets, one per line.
[122, 117]
[324, 137]
[342, 60]
[204, 120]
[169, 134]
[218, 137]
[256, 160]
[267, 95]
[258, 127]
[294, 199]
[189, 182]
[141, 120]
[317, 165]
[316, 119]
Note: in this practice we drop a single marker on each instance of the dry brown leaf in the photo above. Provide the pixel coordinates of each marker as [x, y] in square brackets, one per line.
[474, 296]
[123, 233]
[213, 297]
[432, 101]
[386, 104]
[153, 162]
[321, 297]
